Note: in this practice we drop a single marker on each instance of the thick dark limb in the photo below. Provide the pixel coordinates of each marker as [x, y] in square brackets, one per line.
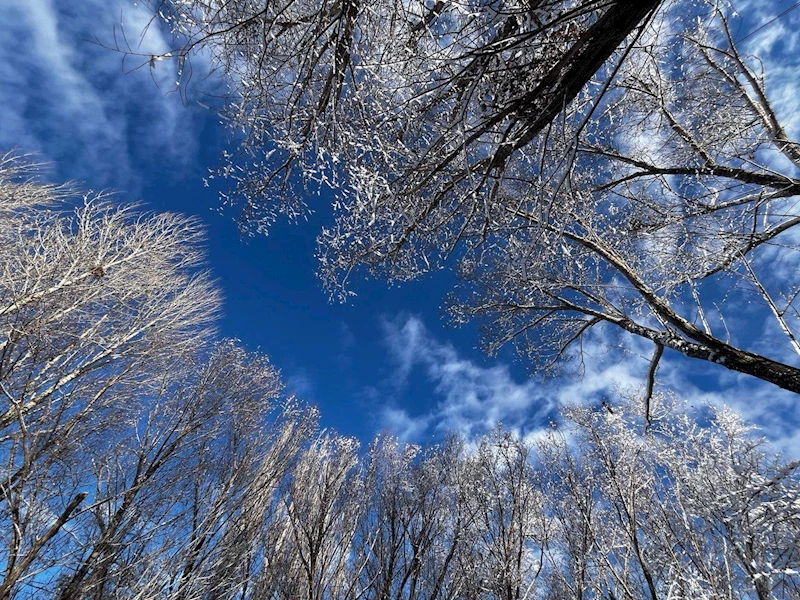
[576, 68]
[651, 381]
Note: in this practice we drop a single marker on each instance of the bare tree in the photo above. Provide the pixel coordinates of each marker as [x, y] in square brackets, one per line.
[322, 507]
[90, 302]
[677, 214]
[182, 495]
[509, 525]
[125, 477]
[102, 289]
[746, 500]
[389, 555]
[596, 508]
[139, 460]
[430, 95]
[414, 530]
[638, 210]
[682, 511]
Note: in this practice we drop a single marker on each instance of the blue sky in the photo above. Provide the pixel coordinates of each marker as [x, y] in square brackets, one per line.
[386, 359]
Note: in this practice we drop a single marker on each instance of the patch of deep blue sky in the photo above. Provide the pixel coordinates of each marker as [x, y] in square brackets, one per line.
[386, 359]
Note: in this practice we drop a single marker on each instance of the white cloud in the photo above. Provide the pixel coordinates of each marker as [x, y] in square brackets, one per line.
[775, 40]
[406, 428]
[300, 383]
[69, 100]
[470, 399]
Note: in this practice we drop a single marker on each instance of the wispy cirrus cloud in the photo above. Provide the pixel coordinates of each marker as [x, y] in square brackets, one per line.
[470, 399]
[65, 98]
[769, 30]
